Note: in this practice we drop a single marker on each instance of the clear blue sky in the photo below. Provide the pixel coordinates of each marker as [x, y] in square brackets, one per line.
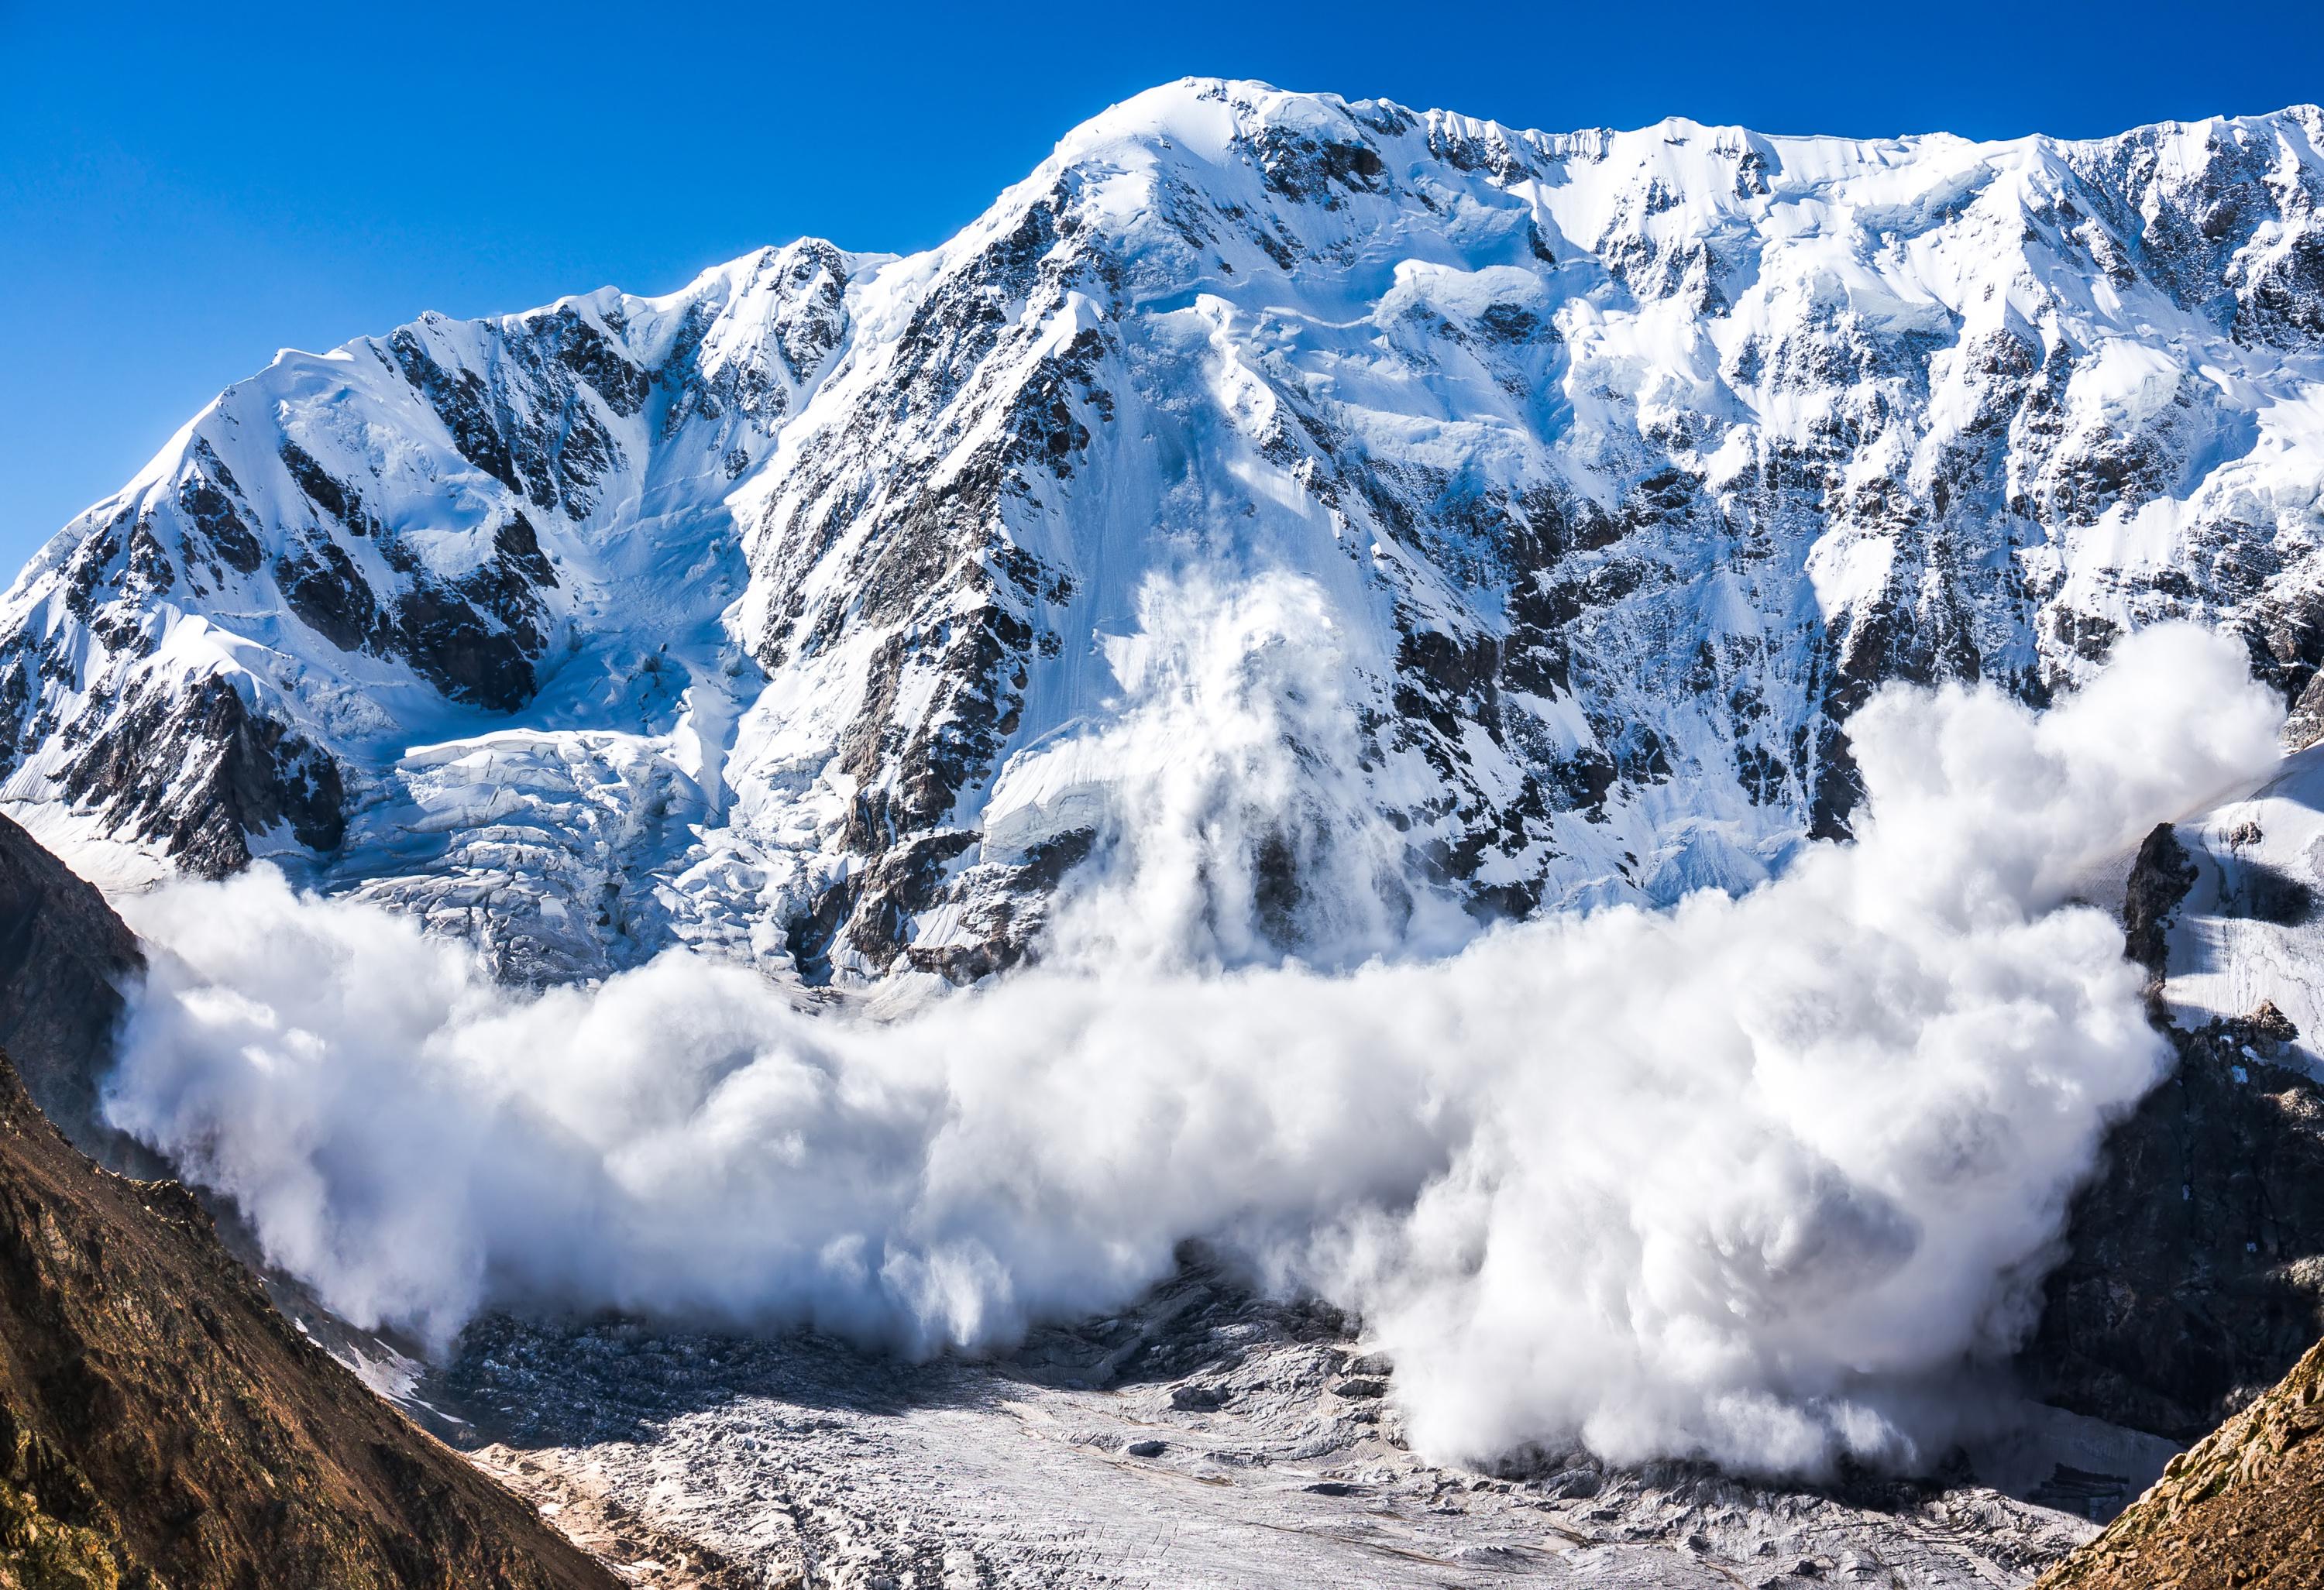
[183, 189]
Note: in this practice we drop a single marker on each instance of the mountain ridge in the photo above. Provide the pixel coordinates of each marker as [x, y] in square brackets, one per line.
[758, 616]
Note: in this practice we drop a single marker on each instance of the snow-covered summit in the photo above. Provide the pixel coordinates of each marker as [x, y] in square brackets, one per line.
[794, 613]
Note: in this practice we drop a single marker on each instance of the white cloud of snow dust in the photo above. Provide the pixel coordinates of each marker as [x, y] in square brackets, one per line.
[1748, 1179]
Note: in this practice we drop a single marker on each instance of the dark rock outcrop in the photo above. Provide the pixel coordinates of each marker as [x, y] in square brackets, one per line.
[2194, 1274]
[200, 771]
[64, 959]
[2159, 880]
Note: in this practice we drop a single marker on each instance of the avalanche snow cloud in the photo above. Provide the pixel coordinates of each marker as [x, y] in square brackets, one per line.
[1751, 1179]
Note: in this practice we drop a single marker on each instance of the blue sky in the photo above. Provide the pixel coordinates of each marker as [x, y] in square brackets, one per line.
[185, 189]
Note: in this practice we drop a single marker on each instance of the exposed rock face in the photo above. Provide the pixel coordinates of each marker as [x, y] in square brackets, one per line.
[64, 959]
[2242, 1510]
[2195, 1271]
[2160, 878]
[2195, 1265]
[774, 616]
[160, 1425]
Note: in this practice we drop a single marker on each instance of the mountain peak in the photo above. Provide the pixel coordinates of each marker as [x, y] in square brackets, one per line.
[784, 614]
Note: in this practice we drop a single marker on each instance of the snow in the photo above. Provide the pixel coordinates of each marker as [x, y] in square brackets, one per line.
[1282, 353]
[1848, 567]
[2252, 926]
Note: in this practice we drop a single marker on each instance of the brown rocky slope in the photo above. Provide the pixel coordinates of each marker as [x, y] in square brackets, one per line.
[162, 1425]
[2241, 1510]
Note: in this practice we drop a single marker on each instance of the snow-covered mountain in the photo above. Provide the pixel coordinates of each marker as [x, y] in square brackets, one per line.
[788, 615]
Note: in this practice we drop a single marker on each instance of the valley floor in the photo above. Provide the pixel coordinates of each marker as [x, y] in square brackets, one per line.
[1204, 1439]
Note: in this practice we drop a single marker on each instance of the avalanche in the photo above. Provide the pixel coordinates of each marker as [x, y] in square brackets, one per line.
[1764, 1179]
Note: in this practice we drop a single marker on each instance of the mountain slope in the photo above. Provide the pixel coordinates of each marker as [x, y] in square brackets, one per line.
[2191, 1275]
[65, 960]
[159, 1421]
[160, 1424]
[2241, 1508]
[789, 615]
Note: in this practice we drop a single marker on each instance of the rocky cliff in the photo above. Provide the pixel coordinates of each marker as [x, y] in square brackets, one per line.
[65, 960]
[2194, 1272]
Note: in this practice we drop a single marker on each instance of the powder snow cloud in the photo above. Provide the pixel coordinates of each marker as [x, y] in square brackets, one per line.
[1753, 1179]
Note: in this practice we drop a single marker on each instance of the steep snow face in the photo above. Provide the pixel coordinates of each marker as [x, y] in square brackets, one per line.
[2238, 911]
[793, 615]
[261, 644]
